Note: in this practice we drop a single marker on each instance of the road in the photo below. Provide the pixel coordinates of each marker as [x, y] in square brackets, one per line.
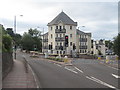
[82, 74]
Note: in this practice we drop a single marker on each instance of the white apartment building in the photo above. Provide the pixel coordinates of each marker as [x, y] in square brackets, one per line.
[98, 47]
[58, 28]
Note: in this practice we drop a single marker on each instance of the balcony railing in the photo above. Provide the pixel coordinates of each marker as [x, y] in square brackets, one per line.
[83, 47]
[59, 47]
[83, 39]
[45, 40]
[45, 47]
[59, 39]
[60, 30]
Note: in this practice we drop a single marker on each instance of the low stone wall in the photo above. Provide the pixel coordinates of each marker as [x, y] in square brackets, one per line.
[87, 56]
[7, 63]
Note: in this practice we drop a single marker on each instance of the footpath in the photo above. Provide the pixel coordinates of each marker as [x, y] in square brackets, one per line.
[19, 77]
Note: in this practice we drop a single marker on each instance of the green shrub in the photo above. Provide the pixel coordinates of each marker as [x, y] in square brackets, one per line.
[6, 43]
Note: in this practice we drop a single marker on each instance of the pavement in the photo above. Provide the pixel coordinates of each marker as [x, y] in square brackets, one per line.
[19, 77]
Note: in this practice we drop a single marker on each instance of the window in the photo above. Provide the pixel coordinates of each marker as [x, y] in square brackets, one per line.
[71, 27]
[80, 51]
[70, 43]
[57, 44]
[57, 52]
[63, 35]
[60, 27]
[63, 52]
[60, 44]
[60, 52]
[51, 28]
[71, 35]
[60, 35]
[51, 36]
[56, 27]
[56, 35]
[83, 51]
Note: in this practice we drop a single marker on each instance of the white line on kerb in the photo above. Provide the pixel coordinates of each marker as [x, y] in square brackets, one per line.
[116, 76]
[71, 70]
[34, 76]
[79, 70]
[99, 81]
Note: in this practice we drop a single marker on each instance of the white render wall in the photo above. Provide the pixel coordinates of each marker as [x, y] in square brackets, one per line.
[68, 32]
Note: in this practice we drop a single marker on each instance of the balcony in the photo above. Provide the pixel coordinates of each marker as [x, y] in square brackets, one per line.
[58, 48]
[59, 39]
[83, 47]
[45, 47]
[45, 40]
[83, 39]
[60, 30]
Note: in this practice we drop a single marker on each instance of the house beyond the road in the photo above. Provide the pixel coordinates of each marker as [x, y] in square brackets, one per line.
[62, 26]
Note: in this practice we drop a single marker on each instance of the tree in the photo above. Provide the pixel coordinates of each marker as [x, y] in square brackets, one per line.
[6, 40]
[17, 39]
[27, 42]
[7, 43]
[32, 41]
[109, 44]
[34, 32]
[116, 45]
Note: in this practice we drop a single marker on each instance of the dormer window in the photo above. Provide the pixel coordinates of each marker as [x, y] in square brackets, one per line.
[51, 28]
[71, 27]
[60, 27]
[56, 27]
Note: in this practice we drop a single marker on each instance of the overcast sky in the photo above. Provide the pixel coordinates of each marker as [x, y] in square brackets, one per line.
[99, 18]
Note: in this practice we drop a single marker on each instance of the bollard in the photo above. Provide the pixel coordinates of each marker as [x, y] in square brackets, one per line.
[65, 59]
[99, 58]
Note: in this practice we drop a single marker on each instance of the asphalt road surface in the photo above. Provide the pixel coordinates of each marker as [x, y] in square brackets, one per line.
[82, 74]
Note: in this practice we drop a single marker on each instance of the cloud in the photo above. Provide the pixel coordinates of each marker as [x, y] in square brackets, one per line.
[97, 17]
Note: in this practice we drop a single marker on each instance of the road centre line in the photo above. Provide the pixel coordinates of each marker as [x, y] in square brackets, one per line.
[71, 70]
[116, 76]
[78, 69]
[99, 81]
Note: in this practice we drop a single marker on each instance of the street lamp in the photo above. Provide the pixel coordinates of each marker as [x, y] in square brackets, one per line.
[15, 35]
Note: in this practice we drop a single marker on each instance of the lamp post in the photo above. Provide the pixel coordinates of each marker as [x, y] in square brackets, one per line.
[15, 47]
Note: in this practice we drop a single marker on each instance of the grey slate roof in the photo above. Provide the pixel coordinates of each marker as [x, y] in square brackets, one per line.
[62, 17]
[81, 32]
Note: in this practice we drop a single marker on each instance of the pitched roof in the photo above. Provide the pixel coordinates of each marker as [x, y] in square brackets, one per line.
[81, 32]
[62, 17]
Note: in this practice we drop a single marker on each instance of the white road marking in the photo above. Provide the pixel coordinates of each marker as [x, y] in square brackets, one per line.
[71, 70]
[58, 65]
[113, 67]
[99, 81]
[79, 70]
[116, 76]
